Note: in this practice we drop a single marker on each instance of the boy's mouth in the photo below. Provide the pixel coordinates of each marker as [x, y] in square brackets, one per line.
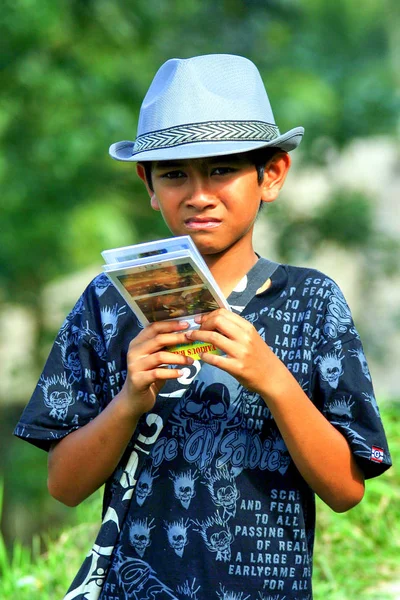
[202, 223]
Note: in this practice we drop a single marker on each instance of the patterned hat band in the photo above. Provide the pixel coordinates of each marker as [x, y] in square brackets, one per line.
[209, 131]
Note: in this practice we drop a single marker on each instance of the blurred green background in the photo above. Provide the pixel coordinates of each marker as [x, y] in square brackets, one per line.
[73, 74]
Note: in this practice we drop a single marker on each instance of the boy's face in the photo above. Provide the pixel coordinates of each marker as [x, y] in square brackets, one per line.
[214, 200]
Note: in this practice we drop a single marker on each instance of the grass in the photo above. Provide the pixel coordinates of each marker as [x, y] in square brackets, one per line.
[355, 552]
[29, 574]
[358, 551]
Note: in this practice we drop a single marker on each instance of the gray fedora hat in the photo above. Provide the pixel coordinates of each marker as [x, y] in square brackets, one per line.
[205, 106]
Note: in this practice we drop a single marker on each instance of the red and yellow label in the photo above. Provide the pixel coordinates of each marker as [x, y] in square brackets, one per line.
[195, 349]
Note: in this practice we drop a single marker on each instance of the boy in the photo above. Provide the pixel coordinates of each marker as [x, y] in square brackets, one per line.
[210, 466]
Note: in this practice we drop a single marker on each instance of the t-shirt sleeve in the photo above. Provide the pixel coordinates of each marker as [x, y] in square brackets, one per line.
[344, 391]
[72, 388]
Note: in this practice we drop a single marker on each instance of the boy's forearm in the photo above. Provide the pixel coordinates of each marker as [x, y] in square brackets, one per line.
[82, 461]
[320, 452]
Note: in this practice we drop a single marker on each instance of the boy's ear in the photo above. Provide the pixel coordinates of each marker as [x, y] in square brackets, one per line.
[154, 202]
[274, 176]
[153, 198]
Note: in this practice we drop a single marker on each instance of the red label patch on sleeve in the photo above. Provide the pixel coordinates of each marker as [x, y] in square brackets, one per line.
[377, 454]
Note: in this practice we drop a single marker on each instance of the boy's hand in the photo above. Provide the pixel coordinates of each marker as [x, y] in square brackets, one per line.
[247, 357]
[146, 353]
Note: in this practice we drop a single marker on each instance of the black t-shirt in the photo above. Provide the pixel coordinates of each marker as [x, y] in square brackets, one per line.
[206, 502]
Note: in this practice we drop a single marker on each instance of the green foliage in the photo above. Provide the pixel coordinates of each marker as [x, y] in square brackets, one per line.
[355, 552]
[302, 235]
[28, 574]
[74, 73]
[72, 76]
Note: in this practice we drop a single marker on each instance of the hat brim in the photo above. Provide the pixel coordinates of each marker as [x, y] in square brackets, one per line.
[124, 151]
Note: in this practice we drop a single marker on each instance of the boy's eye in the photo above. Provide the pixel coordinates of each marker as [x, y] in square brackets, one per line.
[172, 174]
[222, 170]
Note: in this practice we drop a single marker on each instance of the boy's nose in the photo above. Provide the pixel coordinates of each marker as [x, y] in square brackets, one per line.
[200, 195]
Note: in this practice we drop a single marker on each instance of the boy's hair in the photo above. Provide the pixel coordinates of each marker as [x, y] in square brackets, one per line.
[260, 158]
